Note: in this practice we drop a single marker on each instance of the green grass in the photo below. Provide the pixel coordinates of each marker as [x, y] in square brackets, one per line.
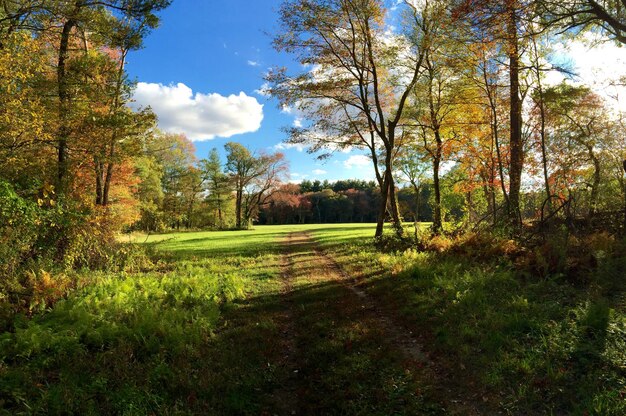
[207, 328]
[142, 343]
[519, 344]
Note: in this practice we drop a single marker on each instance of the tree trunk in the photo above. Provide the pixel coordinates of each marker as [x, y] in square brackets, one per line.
[219, 213]
[382, 211]
[516, 146]
[393, 205]
[495, 135]
[391, 188]
[416, 212]
[542, 132]
[98, 168]
[624, 193]
[114, 134]
[64, 106]
[595, 186]
[107, 179]
[238, 202]
[437, 216]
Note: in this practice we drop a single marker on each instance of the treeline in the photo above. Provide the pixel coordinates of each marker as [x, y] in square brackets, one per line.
[348, 201]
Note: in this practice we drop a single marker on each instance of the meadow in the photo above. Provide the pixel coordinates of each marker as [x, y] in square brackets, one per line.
[315, 320]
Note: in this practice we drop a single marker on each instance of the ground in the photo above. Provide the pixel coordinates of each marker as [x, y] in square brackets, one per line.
[312, 320]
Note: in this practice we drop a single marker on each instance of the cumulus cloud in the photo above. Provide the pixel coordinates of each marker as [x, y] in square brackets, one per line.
[357, 160]
[253, 63]
[199, 116]
[319, 172]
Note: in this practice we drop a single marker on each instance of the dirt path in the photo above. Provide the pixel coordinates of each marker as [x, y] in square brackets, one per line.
[338, 345]
[400, 336]
[325, 307]
[284, 400]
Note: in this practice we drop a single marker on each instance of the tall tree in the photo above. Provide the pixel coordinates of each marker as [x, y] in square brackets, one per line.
[217, 185]
[438, 95]
[504, 22]
[360, 77]
[123, 23]
[242, 167]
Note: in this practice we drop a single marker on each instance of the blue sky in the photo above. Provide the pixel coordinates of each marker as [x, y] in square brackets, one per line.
[202, 71]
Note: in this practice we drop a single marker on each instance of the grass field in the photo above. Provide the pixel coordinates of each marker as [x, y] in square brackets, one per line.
[313, 320]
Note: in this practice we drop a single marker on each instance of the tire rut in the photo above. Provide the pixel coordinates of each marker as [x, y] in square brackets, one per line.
[284, 399]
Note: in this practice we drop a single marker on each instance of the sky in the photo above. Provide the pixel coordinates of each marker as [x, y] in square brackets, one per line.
[202, 71]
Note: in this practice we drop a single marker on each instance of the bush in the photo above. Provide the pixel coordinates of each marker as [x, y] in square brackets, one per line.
[43, 243]
[20, 221]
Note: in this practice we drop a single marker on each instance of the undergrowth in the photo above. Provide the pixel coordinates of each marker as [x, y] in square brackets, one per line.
[141, 340]
[104, 348]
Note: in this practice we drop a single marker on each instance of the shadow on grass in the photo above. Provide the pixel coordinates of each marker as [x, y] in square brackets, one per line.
[162, 355]
[526, 347]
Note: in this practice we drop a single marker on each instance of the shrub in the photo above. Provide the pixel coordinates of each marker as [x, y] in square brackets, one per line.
[43, 243]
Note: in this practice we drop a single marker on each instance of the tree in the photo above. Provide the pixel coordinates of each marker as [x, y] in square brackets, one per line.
[122, 24]
[271, 171]
[609, 16]
[24, 116]
[503, 22]
[149, 193]
[438, 95]
[413, 167]
[282, 206]
[362, 77]
[252, 178]
[580, 129]
[217, 185]
[181, 181]
[483, 155]
[243, 168]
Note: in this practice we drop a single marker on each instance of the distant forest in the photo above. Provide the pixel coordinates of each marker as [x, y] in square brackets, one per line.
[346, 201]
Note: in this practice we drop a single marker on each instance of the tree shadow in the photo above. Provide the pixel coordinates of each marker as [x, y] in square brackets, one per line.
[528, 347]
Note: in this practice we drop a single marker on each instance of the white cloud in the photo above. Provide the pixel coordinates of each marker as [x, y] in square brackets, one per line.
[297, 123]
[284, 146]
[253, 63]
[199, 116]
[357, 160]
[264, 90]
[319, 172]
